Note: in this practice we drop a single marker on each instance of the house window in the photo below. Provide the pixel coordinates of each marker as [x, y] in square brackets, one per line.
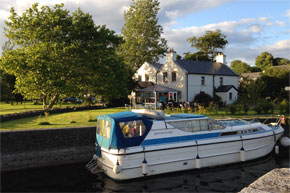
[231, 96]
[139, 78]
[173, 74]
[202, 80]
[146, 77]
[221, 81]
[165, 77]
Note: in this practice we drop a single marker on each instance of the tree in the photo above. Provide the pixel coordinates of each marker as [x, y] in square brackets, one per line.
[198, 56]
[7, 81]
[59, 54]
[142, 34]
[281, 61]
[209, 43]
[178, 57]
[240, 67]
[252, 89]
[264, 60]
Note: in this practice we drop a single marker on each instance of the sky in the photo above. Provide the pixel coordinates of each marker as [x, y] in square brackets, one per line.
[251, 26]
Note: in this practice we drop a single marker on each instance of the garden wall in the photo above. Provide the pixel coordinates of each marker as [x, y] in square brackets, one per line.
[46, 147]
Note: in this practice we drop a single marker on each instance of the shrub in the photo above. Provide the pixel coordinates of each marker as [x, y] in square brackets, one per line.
[216, 98]
[202, 98]
[232, 108]
[258, 108]
[201, 109]
[284, 107]
[266, 106]
[245, 108]
[43, 123]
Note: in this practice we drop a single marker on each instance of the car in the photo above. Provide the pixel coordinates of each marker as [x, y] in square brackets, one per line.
[73, 100]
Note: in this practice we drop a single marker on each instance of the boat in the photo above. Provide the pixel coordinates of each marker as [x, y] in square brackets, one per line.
[135, 144]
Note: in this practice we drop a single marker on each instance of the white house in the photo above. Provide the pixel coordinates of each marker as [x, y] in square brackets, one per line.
[186, 78]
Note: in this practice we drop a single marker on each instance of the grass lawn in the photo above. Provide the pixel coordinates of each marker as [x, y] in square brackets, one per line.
[27, 106]
[71, 119]
[88, 118]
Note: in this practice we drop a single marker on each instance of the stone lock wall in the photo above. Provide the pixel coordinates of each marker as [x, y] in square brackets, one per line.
[46, 147]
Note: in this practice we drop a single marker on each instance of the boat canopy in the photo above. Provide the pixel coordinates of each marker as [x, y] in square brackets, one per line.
[122, 130]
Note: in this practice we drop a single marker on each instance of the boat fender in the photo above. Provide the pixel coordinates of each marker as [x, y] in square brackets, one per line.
[285, 141]
[117, 168]
[144, 168]
[242, 154]
[197, 162]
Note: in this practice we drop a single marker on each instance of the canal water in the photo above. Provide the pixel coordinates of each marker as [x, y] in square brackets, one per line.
[76, 178]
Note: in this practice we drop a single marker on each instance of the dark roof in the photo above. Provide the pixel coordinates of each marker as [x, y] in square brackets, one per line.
[251, 75]
[225, 88]
[157, 88]
[157, 65]
[205, 67]
[144, 84]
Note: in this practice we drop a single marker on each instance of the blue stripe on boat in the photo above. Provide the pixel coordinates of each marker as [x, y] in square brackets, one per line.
[179, 139]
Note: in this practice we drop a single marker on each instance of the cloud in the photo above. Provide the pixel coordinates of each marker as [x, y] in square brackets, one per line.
[280, 23]
[279, 49]
[238, 33]
[255, 28]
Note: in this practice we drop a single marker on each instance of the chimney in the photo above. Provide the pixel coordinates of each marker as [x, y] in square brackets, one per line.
[171, 54]
[221, 58]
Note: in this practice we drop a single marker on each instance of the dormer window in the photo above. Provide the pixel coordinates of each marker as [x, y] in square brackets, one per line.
[221, 81]
[165, 79]
[173, 76]
[202, 80]
[146, 77]
[231, 96]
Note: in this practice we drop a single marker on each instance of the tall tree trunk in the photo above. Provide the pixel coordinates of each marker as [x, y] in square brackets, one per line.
[52, 101]
[44, 103]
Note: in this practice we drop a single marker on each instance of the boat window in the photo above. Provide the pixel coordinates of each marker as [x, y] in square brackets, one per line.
[245, 131]
[229, 133]
[255, 130]
[132, 128]
[203, 125]
[214, 124]
[190, 125]
[182, 125]
[104, 128]
[195, 125]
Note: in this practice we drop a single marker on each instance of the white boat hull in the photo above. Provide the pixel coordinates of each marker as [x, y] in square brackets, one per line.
[186, 156]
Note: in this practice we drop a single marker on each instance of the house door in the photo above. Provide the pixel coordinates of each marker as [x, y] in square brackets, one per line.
[173, 96]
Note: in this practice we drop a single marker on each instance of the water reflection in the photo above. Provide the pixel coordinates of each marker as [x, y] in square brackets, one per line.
[75, 178]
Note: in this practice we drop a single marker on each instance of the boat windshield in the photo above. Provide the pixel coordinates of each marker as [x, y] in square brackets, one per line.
[196, 125]
[233, 122]
[132, 128]
[104, 128]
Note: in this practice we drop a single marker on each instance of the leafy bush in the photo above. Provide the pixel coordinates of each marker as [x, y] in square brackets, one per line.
[202, 98]
[216, 98]
[266, 106]
[246, 108]
[232, 108]
[201, 109]
[43, 123]
[263, 106]
[284, 107]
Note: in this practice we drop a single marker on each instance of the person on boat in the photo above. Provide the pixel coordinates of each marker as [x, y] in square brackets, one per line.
[134, 129]
[125, 130]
